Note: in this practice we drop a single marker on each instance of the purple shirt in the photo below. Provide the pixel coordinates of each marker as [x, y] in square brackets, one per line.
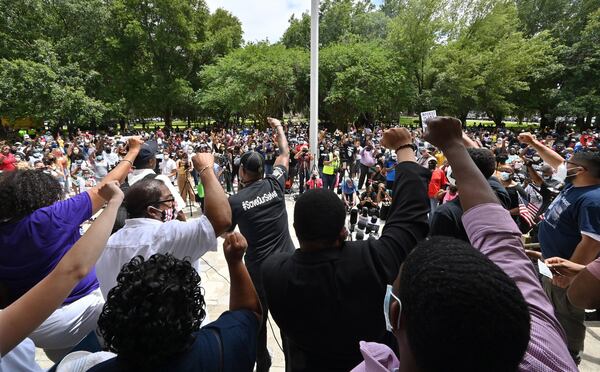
[33, 246]
[492, 230]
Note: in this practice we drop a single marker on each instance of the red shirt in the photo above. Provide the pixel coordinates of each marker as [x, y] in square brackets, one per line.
[7, 162]
[438, 179]
[311, 184]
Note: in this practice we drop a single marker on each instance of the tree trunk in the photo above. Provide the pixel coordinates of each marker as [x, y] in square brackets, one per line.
[588, 120]
[580, 122]
[122, 124]
[545, 120]
[168, 118]
[463, 120]
[189, 122]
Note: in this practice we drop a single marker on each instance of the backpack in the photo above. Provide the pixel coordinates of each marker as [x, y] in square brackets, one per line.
[122, 214]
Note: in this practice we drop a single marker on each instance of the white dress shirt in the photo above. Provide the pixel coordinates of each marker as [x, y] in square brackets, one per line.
[167, 167]
[146, 236]
[139, 174]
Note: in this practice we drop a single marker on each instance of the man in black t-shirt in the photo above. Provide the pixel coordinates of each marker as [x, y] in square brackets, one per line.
[259, 210]
[447, 219]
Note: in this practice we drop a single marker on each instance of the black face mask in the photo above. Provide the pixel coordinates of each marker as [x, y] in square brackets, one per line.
[571, 175]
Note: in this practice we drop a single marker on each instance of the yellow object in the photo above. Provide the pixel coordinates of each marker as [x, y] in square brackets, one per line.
[21, 123]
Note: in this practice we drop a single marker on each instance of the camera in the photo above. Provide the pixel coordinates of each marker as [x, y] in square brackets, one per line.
[363, 224]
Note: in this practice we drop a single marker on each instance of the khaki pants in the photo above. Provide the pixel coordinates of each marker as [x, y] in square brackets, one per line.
[570, 317]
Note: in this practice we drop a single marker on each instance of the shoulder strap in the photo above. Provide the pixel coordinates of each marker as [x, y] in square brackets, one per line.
[220, 343]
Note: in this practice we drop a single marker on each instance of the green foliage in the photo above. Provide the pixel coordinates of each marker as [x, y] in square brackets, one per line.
[87, 61]
[257, 81]
[35, 90]
[297, 34]
[359, 79]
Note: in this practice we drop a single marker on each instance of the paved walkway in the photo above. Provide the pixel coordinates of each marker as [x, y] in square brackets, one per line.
[215, 282]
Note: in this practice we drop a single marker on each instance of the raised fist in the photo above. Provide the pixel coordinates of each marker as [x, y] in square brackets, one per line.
[526, 138]
[203, 159]
[395, 137]
[234, 247]
[443, 132]
[110, 191]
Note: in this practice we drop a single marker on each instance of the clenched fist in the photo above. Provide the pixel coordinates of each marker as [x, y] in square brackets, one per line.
[234, 247]
[202, 160]
[444, 132]
[110, 191]
[395, 137]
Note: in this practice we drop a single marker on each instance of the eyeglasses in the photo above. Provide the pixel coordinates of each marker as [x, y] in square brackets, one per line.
[158, 202]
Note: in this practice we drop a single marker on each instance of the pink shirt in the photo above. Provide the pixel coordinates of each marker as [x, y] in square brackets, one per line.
[594, 268]
[492, 230]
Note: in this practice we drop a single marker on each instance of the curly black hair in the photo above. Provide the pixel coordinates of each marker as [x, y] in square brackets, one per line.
[25, 191]
[463, 313]
[153, 311]
[484, 159]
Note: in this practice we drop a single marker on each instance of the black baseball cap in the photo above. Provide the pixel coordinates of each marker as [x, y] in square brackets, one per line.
[147, 152]
[253, 161]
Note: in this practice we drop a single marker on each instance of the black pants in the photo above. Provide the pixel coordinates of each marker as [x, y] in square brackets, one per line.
[365, 172]
[328, 181]
[303, 176]
[263, 358]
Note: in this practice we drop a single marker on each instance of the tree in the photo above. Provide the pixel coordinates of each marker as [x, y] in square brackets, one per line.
[46, 92]
[155, 49]
[360, 82]
[413, 37]
[392, 8]
[257, 81]
[297, 34]
[224, 34]
[581, 89]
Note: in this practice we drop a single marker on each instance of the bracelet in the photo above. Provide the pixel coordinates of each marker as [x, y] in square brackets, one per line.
[129, 161]
[411, 145]
[203, 169]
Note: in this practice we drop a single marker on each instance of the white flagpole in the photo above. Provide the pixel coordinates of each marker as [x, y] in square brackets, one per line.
[314, 79]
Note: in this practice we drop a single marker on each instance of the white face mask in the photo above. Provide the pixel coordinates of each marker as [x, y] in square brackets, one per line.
[504, 176]
[561, 173]
[386, 308]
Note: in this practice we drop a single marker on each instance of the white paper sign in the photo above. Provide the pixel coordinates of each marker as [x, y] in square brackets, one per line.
[425, 116]
[544, 270]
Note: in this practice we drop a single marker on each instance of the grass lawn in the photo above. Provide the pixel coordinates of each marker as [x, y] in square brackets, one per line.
[404, 121]
[410, 121]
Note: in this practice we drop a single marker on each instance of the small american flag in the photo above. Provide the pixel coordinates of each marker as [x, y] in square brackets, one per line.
[528, 211]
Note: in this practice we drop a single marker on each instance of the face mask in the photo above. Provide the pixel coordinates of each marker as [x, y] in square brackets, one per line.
[167, 214]
[504, 176]
[563, 174]
[386, 308]
[546, 178]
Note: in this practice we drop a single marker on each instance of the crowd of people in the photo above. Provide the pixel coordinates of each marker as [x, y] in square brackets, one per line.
[410, 254]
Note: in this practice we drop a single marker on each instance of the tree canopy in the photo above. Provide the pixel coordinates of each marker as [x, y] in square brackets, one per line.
[97, 62]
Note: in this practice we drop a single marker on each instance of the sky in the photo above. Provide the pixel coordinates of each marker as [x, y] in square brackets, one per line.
[264, 19]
